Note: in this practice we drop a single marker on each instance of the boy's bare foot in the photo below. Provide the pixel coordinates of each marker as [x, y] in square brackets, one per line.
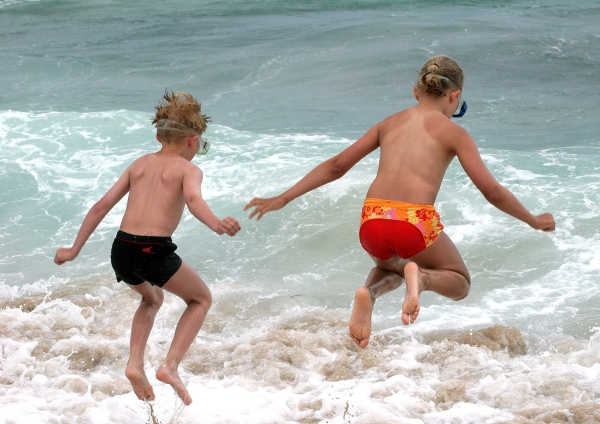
[139, 382]
[411, 307]
[360, 320]
[171, 377]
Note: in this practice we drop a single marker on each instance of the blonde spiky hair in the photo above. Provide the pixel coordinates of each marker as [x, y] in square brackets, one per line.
[179, 108]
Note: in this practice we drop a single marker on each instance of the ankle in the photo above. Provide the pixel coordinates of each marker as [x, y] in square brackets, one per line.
[169, 366]
[135, 364]
[424, 280]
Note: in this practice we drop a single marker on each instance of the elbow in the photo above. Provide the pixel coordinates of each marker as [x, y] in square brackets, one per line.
[337, 169]
[100, 208]
[493, 194]
[192, 200]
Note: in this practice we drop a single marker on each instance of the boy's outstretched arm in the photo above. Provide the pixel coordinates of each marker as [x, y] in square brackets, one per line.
[326, 172]
[198, 207]
[493, 191]
[95, 215]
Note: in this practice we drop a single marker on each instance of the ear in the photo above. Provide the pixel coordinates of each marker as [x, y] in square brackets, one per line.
[416, 93]
[454, 95]
[158, 139]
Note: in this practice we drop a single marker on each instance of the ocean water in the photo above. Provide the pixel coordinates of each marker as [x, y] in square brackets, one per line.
[288, 85]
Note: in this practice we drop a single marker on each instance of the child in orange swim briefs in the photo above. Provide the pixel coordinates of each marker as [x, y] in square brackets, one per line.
[400, 228]
[160, 185]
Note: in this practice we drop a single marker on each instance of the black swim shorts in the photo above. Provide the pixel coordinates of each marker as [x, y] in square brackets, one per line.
[136, 259]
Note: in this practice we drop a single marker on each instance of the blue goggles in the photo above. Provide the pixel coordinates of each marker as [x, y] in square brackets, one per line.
[461, 109]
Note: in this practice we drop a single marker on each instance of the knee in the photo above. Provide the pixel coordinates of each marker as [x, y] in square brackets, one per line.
[464, 294]
[156, 299]
[466, 288]
[204, 299]
[207, 300]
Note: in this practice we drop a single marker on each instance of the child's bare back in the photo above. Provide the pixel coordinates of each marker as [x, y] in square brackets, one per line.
[417, 145]
[156, 198]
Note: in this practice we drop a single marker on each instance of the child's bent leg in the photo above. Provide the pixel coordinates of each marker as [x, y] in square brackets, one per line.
[186, 284]
[143, 320]
[442, 269]
[378, 283]
[439, 268]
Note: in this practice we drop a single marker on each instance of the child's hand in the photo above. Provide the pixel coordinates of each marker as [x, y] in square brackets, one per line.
[264, 205]
[228, 226]
[544, 222]
[64, 255]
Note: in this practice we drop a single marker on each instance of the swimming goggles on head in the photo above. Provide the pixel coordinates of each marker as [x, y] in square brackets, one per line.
[170, 125]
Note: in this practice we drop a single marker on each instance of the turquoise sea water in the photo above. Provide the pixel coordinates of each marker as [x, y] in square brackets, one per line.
[288, 85]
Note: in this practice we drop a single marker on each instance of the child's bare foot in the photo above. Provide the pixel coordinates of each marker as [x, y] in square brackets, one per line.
[360, 320]
[139, 382]
[171, 377]
[411, 307]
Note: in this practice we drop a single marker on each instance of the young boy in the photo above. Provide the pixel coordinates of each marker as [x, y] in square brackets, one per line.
[159, 185]
[400, 228]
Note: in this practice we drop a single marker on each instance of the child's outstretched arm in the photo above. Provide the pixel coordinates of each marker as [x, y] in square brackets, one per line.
[492, 190]
[95, 215]
[198, 207]
[326, 172]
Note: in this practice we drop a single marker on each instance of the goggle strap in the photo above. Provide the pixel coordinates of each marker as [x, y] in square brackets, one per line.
[170, 125]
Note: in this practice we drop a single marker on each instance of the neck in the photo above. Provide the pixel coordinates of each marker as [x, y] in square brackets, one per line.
[434, 103]
[173, 148]
[180, 147]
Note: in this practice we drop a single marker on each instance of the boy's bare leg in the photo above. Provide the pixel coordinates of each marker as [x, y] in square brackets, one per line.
[143, 320]
[186, 284]
[379, 282]
[439, 268]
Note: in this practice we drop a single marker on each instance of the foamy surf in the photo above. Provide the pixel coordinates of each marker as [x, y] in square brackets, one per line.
[64, 354]
[522, 347]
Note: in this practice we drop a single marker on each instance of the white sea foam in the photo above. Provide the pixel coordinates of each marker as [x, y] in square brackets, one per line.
[65, 356]
[275, 348]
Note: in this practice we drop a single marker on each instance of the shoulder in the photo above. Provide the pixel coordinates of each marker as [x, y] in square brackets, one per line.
[189, 170]
[180, 168]
[139, 167]
[141, 161]
[449, 132]
[396, 119]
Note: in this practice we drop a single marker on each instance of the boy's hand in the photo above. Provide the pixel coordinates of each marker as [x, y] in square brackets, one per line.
[228, 226]
[264, 205]
[544, 222]
[64, 255]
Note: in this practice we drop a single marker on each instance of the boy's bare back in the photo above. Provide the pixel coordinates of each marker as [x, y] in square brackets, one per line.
[156, 198]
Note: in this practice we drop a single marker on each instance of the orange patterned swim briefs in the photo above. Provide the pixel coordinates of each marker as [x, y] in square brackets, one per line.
[390, 228]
